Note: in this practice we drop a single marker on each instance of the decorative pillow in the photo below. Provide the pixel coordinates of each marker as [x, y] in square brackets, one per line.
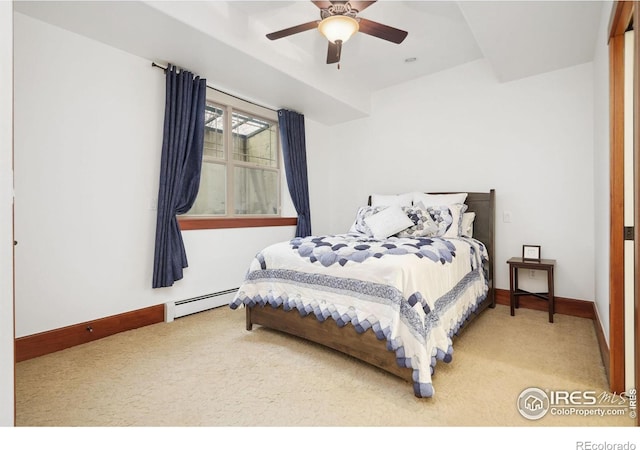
[423, 223]
[388, 222]
[438, 199]
[448, 218]
[359, 225]
[391, 200]
[467, 224]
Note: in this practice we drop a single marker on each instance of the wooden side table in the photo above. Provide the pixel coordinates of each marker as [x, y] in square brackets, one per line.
[515, 292]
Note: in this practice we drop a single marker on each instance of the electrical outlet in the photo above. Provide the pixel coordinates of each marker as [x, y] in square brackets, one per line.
[506, 216]
[532, 273]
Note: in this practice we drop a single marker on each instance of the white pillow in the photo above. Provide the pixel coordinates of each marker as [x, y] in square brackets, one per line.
[359, 225]
[457, 211]
[392, 200]
[467, 224]
[388, 222]
[438, 199]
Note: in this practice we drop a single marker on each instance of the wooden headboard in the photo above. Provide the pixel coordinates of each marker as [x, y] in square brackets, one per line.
[484, 205]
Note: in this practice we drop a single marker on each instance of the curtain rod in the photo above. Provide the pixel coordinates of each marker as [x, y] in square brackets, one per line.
[153, 64]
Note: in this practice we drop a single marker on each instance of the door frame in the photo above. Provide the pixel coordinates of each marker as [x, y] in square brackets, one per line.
[636, 188]
[624, 15]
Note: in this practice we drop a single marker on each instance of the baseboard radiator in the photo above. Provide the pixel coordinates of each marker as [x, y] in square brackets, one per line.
[181, 308]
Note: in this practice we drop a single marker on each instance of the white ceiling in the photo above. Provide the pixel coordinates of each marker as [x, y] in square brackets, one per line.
[225, 42]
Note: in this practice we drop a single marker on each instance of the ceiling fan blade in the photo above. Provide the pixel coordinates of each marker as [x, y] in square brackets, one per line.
[322, 5]
[333, 52]
[382, 31]
[360, 6]
[293, 30]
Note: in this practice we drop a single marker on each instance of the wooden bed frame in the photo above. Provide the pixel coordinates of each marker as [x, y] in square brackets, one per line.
[366, 346]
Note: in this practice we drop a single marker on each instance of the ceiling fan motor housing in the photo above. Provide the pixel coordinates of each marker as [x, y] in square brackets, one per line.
[339, 9]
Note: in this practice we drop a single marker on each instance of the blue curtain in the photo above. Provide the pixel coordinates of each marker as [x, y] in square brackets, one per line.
[294, 152]
[182, 144]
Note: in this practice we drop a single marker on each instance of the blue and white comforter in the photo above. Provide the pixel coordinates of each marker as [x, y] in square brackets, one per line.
[415, 293]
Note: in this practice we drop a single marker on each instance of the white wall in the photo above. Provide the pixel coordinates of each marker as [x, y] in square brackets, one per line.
[320, 174]
[88, 134]
[88, 130]
[601, 169]
[531, 140]
[7, 410]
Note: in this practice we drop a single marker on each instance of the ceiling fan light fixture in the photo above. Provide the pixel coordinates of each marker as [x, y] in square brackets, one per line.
[338, 28]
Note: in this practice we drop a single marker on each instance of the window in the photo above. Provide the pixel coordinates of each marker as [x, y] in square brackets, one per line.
[241, 161]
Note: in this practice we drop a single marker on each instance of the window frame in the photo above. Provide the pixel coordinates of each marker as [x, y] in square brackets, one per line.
[231, 104]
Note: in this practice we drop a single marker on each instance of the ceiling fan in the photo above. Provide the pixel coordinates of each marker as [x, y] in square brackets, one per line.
[338, 22]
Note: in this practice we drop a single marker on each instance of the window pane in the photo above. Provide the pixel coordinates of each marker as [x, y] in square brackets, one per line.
[213, 191]
[256, 191]
[254, 140]
[241, 160]
[213, 130]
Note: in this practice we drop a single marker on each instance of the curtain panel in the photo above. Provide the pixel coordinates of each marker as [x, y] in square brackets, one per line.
[181, 163]
[294, 152]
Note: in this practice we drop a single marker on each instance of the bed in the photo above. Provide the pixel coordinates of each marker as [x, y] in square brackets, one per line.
[395, 301]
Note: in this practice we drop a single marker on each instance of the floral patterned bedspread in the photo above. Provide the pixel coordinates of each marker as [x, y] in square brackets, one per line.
[414, 293]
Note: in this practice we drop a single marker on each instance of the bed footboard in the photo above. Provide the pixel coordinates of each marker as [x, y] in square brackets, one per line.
[365, 346]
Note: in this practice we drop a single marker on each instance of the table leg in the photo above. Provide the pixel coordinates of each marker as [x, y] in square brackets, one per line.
[511, 296]
[516, 298]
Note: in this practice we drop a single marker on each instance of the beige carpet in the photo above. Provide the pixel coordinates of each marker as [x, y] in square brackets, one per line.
[207, 370]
